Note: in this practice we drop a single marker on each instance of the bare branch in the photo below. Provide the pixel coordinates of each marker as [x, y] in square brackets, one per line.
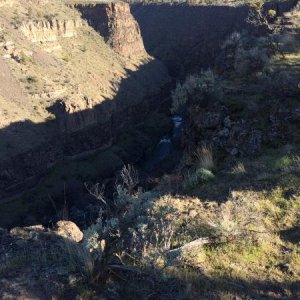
[130, 177]
[97, 191]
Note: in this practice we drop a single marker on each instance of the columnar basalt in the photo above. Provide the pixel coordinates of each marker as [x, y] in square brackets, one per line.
[50, 31]
[116, 24]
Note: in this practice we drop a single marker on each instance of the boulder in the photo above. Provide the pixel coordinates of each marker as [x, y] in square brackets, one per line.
[69, 230]
[27, 232]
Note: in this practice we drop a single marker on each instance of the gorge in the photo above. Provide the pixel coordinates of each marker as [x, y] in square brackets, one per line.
[81, 121]
[149, 149]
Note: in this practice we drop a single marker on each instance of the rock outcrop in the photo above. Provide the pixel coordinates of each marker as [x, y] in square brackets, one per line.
[50, 30]
[116, 24]
[36, 252]
[69, 230]
[6, 3]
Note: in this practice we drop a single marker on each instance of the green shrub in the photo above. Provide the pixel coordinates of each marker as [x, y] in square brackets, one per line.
[201, 175]
[24, 59]
[247, 54]
[288, 163]
[32, 79]
[257, 5]
[272, 13]
[204, 86]
[236, 220]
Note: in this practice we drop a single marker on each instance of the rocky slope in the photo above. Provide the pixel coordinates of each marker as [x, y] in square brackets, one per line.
[50, 30]
[66, 88]
[258, 102]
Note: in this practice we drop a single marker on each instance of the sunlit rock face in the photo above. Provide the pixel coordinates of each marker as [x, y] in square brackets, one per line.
[116, 24]
[6, 3]
[50, 30]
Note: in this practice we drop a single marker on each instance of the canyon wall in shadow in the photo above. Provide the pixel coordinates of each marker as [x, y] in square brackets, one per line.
[188, 38]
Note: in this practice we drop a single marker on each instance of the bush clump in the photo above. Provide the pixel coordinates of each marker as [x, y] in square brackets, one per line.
[203, 86]
[201, 175]
[246, 55]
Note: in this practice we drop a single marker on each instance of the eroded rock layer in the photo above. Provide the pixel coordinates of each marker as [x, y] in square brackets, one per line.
[50, 30]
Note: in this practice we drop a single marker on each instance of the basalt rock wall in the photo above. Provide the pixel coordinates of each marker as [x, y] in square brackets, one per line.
[116, 24]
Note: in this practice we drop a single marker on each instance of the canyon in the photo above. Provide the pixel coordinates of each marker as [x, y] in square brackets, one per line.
[149, 150]
[77, 75]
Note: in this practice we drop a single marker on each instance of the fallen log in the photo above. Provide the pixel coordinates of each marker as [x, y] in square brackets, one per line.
[191, 246]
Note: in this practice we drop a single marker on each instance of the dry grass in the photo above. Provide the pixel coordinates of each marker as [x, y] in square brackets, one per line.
[203, 156]
[239, 169]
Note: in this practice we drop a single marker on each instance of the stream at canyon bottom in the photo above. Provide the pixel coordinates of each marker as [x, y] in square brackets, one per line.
[166, 147]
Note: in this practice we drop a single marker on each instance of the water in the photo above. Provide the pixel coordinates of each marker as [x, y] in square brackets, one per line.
[165, 147]
[177, 126]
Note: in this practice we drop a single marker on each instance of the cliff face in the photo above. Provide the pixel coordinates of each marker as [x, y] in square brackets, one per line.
[185, 37]
[50, 30]
[6, 3]
[116, 24]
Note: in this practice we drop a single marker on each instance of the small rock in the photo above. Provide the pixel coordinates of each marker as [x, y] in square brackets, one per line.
[27, 232]
[69, 230]
[193, 213]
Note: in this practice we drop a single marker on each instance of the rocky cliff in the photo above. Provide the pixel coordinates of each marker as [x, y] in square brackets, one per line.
[116, 24]
[6, 3]
[50, 30]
